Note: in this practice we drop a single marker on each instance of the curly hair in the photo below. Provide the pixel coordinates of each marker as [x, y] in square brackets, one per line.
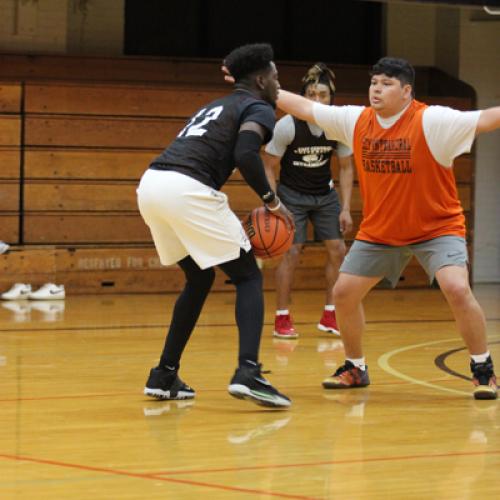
[319, 73]
[248, 59]
[394, 67]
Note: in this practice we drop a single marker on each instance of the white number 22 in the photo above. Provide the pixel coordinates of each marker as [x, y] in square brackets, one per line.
[202, 117]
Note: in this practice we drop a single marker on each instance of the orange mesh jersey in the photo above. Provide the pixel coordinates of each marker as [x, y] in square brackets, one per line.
[407, 195]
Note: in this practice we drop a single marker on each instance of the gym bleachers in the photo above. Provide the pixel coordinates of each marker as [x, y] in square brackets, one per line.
[76, 135]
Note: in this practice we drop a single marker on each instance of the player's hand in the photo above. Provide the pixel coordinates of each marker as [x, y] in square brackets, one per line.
[345, 220]
[283, 213]
[227, 75]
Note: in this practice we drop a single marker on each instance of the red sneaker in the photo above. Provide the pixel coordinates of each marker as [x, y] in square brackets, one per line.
[283, 327]
[328, 323]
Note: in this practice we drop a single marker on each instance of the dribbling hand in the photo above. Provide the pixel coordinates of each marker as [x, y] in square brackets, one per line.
[283, 213]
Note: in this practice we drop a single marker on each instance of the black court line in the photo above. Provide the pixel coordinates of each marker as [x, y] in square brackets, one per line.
[211, 325]
[440, 362]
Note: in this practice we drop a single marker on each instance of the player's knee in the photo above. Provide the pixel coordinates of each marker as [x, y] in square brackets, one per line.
[293, 254]
[202, 280]
[456, 290]
[246, 275]
[336, 250]
[243, 269]
[341, 294]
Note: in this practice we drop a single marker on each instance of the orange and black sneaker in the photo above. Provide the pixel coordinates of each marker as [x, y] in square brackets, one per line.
[484, 380]
[347, 376]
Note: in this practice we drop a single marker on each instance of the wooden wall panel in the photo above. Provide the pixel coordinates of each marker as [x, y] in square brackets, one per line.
[121, 195]
[131, 100]
[9, 224]
[95, 132]
[35, 266]
[10, 162]
[10, 126]
[313, 278]
[59, 229]
[10, 97]
[117, 100]
[124, 164]
[29, 261]
[117, 196]
[9, 196]
[138, 270]
[166, 100]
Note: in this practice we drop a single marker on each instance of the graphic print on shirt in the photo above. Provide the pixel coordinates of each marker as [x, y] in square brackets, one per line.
[204, 116]
[312, 156]
[386, 156]
[204, 148]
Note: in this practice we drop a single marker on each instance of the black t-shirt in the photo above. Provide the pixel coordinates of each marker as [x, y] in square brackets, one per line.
[305, 166]
[204, 148]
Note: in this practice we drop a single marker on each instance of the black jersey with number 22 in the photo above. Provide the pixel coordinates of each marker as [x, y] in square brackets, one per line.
[204, 148]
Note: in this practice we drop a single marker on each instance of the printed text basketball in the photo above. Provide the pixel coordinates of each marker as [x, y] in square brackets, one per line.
[268, 233]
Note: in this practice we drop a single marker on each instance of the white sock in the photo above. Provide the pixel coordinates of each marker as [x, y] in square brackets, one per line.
[282, 312]
[329, 307]
[358, 362]
[480, 358]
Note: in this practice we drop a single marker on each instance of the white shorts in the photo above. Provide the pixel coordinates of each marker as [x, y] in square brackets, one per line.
[187, 217]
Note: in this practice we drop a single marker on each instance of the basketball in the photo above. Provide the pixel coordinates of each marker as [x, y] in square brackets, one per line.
[268, 233]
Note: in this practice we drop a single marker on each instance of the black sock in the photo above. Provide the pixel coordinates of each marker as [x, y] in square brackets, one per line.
[247, 278]
[186, 311]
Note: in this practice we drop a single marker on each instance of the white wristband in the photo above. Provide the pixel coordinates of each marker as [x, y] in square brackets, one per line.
[277, 207]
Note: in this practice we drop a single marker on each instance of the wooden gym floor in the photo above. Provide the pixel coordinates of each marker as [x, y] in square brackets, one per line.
[75, 425]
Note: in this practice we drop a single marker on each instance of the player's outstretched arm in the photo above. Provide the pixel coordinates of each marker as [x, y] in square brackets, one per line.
[489, 120]
[296, 105]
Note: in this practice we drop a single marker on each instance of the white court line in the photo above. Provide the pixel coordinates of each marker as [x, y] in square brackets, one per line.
[383, 362]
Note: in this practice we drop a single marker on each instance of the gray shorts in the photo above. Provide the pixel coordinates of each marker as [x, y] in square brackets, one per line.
[371, 259]
[322, 210]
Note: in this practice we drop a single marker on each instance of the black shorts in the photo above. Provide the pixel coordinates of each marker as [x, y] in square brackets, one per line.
[322, 210]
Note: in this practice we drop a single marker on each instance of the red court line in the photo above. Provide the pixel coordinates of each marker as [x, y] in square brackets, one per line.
[70, 396]
[333, 462]
[153, 476]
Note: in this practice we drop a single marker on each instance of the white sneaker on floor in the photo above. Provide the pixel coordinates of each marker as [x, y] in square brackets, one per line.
[4, 247]
[49, 291]
[18, 291]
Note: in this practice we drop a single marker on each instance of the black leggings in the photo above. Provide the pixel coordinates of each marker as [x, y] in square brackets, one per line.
[246, 276]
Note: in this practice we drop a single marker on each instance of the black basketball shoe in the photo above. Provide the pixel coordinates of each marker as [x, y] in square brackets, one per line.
[484, 380]
[248, 383]
[165, 384]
